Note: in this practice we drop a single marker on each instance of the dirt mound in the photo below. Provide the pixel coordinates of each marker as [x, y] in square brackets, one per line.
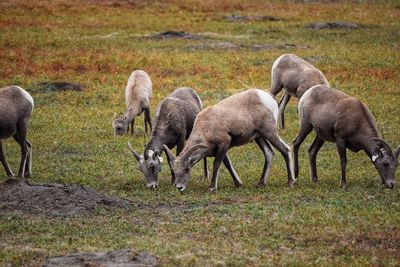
[334, 25]
[174, 34]
[53, 199]
[120, 258]
[243, 18]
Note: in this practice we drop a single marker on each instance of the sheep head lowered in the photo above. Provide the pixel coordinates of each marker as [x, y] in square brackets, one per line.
[150, 166]
[385, 161]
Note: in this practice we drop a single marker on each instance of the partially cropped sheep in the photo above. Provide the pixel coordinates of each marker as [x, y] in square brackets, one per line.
[137, 98]
[16, 106]
[173, 124]
[237, 120]
[345, 120]
[295, 76]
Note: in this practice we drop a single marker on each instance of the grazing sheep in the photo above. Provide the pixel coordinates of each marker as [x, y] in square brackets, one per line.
[295, 76]
[345, 120]
[16, 106]
[137, 98]
[173, 124]
[235, 121]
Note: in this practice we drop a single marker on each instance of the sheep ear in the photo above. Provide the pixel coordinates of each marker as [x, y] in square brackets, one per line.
[134, 153]
[170, 156]
[155, 154]
[380, 148]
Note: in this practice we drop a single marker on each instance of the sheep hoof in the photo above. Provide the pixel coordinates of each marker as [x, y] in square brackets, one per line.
[238, 185]
[260, 184]
[292, 182]
[212, 189]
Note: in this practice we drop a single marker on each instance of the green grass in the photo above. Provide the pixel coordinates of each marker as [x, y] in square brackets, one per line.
[99, 45]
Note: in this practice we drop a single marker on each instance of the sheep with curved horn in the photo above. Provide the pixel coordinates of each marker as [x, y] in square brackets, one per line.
[235, 121]
[345, 120]
[173, 124]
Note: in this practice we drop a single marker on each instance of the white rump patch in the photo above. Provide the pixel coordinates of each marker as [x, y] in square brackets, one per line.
[269, 102]
[374, 157]
[27, 96]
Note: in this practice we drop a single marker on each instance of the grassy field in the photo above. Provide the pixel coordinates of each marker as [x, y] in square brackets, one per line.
[98, 44]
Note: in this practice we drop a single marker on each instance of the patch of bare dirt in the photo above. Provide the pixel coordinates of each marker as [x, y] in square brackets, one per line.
[57, 200]
[57, 86]
[54, 199]
[116, 258]
[244, 18]
[254, 47]
[170, 34]
[334, 25]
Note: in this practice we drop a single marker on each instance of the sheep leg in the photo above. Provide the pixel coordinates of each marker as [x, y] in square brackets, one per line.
[132, 124]
[220, 155]
[21, 140]
[273, 138]
[145, 123]
[147, 119]
[305, 129]
[341, 148]
[268, 155]
[235, 176]
[312, 156]
[28, 164]
[170, 167]
[205, 168]
[4, 162]
[282, 105]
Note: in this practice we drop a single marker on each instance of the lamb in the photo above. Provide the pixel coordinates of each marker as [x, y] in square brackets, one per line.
[173, 124]
[345, 120]
[16, 106]
[235, 121]
[137, 99]
[295, 76]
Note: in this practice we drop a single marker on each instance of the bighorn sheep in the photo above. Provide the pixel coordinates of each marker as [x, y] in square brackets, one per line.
[345, 120]
[295, 76]
[16, 106]
[137, 99]
[173, 124]
[236, 120]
